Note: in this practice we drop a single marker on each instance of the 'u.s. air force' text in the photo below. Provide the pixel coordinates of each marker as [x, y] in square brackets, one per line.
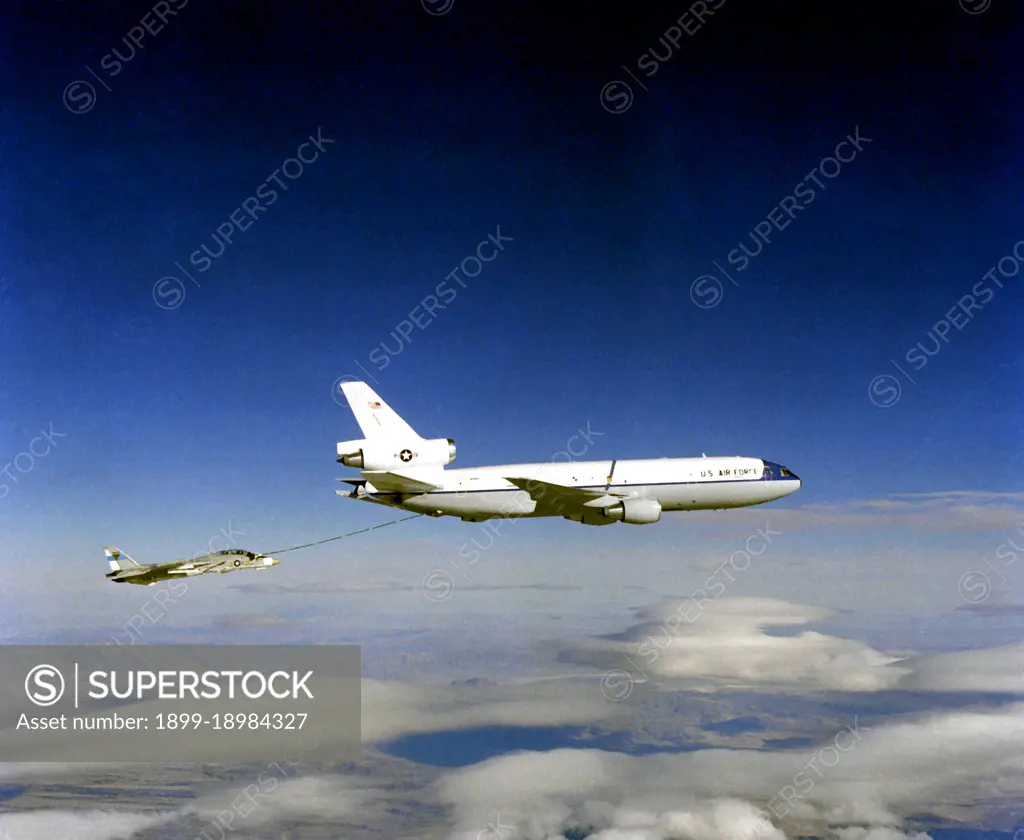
[742, 472]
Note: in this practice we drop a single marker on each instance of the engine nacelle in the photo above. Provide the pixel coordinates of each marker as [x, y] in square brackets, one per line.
[634, 511]
[390, 455]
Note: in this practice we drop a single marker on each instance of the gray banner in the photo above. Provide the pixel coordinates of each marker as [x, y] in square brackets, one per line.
[189, 703]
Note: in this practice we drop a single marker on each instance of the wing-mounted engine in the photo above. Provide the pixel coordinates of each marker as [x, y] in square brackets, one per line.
[392, 455]
[634, 511]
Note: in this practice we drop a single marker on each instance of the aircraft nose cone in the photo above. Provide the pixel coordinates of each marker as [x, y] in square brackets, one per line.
[776, 472]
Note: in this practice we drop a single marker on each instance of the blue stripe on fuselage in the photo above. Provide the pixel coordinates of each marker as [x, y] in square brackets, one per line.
[764, 477]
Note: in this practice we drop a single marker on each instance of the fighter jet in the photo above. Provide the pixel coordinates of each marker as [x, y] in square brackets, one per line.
[125, 570]
[403, 470]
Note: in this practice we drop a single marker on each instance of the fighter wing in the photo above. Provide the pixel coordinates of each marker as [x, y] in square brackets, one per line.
[560, 496]
[184, 568]
[398, 482]
[196, 566]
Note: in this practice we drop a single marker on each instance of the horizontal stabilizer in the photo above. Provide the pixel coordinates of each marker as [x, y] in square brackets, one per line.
[398, 482]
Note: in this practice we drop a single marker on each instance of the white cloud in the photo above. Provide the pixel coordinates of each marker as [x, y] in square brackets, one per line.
[80, 825]
[877, 779]
[878, 832]
[946, 764]
[392, 709]
[996, 669]
[723, 644]
[726, 644]
[270, 798]
[28, 769]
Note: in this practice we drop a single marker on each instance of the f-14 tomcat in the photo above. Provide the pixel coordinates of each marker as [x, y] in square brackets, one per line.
[125, 570]
[401, 469]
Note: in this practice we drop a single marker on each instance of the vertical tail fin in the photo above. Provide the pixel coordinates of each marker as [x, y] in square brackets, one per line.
[119, 561]
[375, 417]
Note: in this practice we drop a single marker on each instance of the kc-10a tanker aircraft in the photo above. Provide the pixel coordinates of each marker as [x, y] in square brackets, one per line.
[125, 570]
[400, 469]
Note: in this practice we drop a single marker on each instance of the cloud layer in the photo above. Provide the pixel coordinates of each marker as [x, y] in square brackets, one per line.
[861, 784]
[707, 644]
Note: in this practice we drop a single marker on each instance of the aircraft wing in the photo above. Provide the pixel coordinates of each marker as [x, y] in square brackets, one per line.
[186, 567]
[197, 565]
[548, 494]
[399, 482]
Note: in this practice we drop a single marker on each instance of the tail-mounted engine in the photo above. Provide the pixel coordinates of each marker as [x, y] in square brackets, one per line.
[391, 455]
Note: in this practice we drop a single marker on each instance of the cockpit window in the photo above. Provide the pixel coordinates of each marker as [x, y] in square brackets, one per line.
[785, 473]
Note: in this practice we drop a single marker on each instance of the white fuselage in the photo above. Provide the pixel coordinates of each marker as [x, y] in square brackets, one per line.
[480, 493]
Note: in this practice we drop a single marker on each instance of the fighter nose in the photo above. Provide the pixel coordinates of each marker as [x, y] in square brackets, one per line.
[271, 561]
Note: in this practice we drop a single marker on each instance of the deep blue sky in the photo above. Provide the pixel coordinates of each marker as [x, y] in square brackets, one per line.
[446, 127]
